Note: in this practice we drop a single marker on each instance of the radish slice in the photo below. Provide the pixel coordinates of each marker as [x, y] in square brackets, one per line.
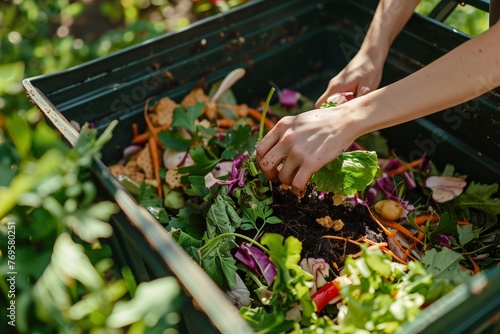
[340, 98]
[445, 188]
[172, 158]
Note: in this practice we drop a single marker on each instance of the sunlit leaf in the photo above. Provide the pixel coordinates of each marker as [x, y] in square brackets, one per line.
[152, 301]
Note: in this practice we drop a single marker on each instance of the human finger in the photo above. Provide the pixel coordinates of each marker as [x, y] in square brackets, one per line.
[301, 177]
[267, 143]
[271, 164]
[362, 90]
[287, 170]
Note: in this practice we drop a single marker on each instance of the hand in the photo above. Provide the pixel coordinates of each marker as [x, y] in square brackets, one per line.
[361, 76]
[299, 146]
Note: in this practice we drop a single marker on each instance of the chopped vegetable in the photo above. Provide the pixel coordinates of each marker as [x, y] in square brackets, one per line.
[388, 209]
[325, 295]
[445, 188]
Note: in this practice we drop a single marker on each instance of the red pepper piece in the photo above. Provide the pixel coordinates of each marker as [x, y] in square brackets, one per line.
[324, 295]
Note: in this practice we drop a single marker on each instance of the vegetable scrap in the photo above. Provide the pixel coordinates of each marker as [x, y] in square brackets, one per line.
[373, 241]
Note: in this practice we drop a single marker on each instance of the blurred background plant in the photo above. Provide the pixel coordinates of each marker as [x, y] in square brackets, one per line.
[57, 274]
[465, 18]
[40, 37]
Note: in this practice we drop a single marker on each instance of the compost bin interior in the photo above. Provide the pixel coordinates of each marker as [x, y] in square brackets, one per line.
[294, 44]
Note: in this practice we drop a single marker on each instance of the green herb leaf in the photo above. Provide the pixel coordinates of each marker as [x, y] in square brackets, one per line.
[174, 140]
[222, 217]
[186, 119]
[238, 141]
[447, 225]
[203, 164]
[479, 196]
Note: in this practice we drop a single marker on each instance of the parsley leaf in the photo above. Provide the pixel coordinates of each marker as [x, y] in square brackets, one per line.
[186, 119]
[238, 141]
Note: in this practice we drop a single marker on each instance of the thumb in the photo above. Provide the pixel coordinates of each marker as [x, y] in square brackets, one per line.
[322, 99]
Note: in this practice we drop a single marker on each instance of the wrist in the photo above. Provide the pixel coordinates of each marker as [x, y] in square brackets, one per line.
[375, 49]
[360, 116]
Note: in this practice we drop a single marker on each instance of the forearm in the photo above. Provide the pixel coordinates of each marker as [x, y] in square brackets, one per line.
[389, 19]
[464, 73]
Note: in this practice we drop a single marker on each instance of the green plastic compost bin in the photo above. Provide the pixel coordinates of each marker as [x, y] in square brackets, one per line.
[295, 44]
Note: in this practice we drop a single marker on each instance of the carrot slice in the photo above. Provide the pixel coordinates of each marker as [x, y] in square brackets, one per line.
[404, 167]
[401, 229]
[225, 123]
[419, 220]
[135, 129]
[255, 114]
[144, 137]
[474, 265]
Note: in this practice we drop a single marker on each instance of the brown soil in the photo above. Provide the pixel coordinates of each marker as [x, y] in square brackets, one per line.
[300, 220]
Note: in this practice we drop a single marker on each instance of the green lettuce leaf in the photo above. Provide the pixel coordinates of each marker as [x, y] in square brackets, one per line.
[445, 265]
[350, 172]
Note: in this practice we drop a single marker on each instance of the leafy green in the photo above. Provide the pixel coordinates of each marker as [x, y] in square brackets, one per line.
[378, 295]
[445, 265]
[216, 258]
[190, 219]
[467, 233]
[203, 163]
[350, 172]
[238, 141]
[148, 198]
[174, 140]
[155, 303]
[222, 217]
[290, 287]
[480, 197]
[220, 265]
[186, 119]
[447, 226]
[258, 213]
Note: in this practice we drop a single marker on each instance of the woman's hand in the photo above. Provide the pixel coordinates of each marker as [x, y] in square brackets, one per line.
[364, 72]
[298, 146]
[361, 76]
